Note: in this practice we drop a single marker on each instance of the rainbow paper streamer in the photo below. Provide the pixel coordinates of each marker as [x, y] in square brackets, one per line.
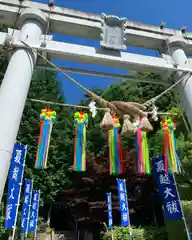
[115, 151]
[142, 150]
[171, 159]
[47, 118]
[80, 122]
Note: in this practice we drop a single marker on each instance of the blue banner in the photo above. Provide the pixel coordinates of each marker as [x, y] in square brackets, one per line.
[34, 211]
[110, 216]
[167, 190]
[26, 205]
[124, 208]
[15, 178]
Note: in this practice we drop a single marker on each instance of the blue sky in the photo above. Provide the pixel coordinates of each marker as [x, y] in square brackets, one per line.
[175, 13]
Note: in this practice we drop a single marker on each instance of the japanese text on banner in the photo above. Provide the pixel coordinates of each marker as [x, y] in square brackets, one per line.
[167, 190]
[26, 206]
[110, 216]
[124, 209]
[15, 178]
[34, 211]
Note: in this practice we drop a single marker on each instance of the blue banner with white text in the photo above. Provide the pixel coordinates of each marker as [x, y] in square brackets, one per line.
[15, 178]
[110, 216]
[34, 211]
[167, 190]
[26, 205]
[124, 208]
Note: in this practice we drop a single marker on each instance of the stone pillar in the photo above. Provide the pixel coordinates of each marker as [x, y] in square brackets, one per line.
[15, 86]
[176, 46]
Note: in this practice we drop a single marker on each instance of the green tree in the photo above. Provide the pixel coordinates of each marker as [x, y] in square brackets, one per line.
[170, 102]
[56, 177]
[53, 179]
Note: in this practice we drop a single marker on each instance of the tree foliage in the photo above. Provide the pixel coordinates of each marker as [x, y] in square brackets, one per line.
[86, 191]
[141, 233]
[170, 103]
[96, 179]
[53, 179]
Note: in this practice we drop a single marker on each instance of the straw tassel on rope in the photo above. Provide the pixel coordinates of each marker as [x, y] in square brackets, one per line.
[47, 118]
[115, 151]
[107, 122]
[80, 123]
[142, 150]
[171, 159]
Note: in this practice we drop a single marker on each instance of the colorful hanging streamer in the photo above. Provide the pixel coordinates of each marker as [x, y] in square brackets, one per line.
[115, 151]
[47, 118]
[142, 150]
[80, 122]
[171, 159]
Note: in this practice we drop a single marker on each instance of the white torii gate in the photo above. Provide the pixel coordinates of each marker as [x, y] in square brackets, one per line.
[32, 21]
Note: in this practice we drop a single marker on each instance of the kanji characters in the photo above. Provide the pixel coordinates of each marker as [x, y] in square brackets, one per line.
[109, 207]
[123, 202]
[12, 193]
[160, 166]
[26, 199]
[17, 158]
[35, 197]
[28, 186]
[9, 208]
[167, 190]
[15, 173]
[172, 207]
[121, 187]
[110, 217]
[32, 214]
[122, 196]
[168, 193]
[164, 178]
[24, 212]
[14, 185]
[124, 208]
[32, 223]
[125, 217]
[23, 222]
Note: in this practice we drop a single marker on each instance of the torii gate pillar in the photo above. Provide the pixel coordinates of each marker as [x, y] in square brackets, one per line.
[176, 46]
[15, 86]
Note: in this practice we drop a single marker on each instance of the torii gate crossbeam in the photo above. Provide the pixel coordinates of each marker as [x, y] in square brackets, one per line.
[32, 24]
[76, 23]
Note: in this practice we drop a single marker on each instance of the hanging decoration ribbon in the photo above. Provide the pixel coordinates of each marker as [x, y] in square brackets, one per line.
[115, 151]
[47, 118]
[171, 159]
[142, 149]
[80, 122]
